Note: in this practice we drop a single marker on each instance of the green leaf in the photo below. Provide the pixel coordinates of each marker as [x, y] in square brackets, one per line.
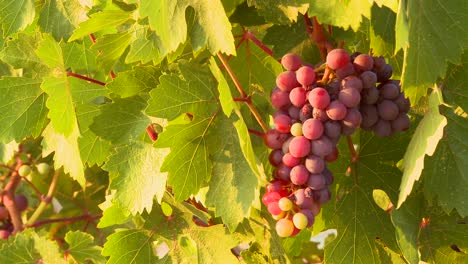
[130, 247]
[81, 248]
[193, 94]
[211, 28]
[280, 12]
[431, 45]
[7, 151]
[16, 15]
[284, 38]
[20, 53]
[233, 183]
[80, 57]
[144, 47]
[341, 14]
[138, 80]
[22, 104]
[382, 31]
[48, 250]
[100, 21]
[67, 152]
[401, 27]
[111, 47]
[122, 120]
[112, 213]
[60, 17]
[424, 142]
[134, 172]
[225, 96]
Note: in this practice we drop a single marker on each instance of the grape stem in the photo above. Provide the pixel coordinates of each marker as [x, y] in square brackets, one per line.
[249, 104]
[69, 73]
[352, 150]
[46, 200]
[257, 42]
[152, 132]
[87, 217]
[317, 35]
[93, 39]
[8, 198]
[255, 132]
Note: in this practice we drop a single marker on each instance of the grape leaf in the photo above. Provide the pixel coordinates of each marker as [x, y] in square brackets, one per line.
[112, 213]
[352, 204]
[144, 47]
[401, 27]
[7, 151]
[130, 83]
[382, 31]
[284, 12]
[225, 96]
[22, 104]
[81, 248]
[67, 152]
[233, 183]
[134, 172]
[111, 47]
[424, 142]
[437, 35]
[286, 37]
[80, 57]
[16, 15]
[60, 17]
[20, 53]
[100, 21]
[122, 120]
[193, 94]
[211, 28]
[341, 14]
[29, 247]
[391, 4]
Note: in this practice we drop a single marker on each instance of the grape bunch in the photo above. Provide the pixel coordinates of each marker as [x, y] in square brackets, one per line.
[311, 115]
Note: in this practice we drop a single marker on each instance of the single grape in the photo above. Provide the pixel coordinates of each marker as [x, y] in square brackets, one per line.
[270, 197]
[275, 186]
[285, 204]
[293, 112]
[401, 123]
[320, 114]
[291, 62]
[283, 172]
[332, 156]
[21, 202]
[347, 70]
[379, 62]
[384, 73]
[305, 75]
[337, 58]
[274, 139]
[315, 208]
[349, 97]
[333, 129]
[389, 91]
[333, 89]
[312, 128]
[319, 98]
[3, 213]
[369, 79]
[328, 176]
[279, 99]
[370, 96]
[306, 112]
[299, 147]
[322, 147]
[363, 62]
[296, 129]
[323, 195]
[274, 208]
[300, 220]
[402, 103]
[4, 234]
[369, 115]
[297, 96]
[353, 118]
[314, 164]
[336, 110]
[43, 168]
[286, 81]
[316, 181]
[280, 216]
[310, 216]
[387, 110]
[284, 227]
[301, 199]
[352, 82]
[275, 157]
[383, 128]
[299, 175]
[282, 123]
[290, 161]
[24, 170]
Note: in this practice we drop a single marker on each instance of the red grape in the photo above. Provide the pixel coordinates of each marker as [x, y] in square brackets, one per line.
[290, 161]
[350, 97]
[297, 96]
[299, 175]
[319, 98]
[274, 139]
[337, 58]
[305, 75]
[279, 99]
[291, 62]
[299, 147]
[387, 110]
[275, 157]
[282, 123]
[286, 81]
[322, 147]
[312, 128]
[314, 164]
[336, 110]
[363, 62]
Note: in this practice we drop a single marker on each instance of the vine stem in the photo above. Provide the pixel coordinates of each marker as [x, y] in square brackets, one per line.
[152, 132]
[255, 132]
[39, 194]
[45, 201]
[317, 35]
[257, 42]
[87, 217]
[249, 104]
[69, 73]
[8, 198]
[354, 158]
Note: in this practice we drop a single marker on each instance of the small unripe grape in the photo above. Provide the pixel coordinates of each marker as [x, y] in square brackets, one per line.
[43, 168]
[300, 220]
[21, 202]
[24, 170]
[285, 204]
[296, 129]
[284, 227]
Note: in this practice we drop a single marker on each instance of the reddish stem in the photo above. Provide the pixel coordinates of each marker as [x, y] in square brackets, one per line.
[354, 155]
[66, 219]
[152, 132]
[256, 132]
[317, 35]
[257, 42]
[85, 78]
[93, 38]
[8, 198]
[242, 99]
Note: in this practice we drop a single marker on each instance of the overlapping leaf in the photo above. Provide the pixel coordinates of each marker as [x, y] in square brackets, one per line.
[81, 248]
[281, 12]
[341, 14]
[16, 15]
[133, 82]
[100, 21]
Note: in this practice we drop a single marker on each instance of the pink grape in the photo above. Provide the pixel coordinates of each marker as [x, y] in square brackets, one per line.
[301, 199]
[312, 128]
[352, 82]
[299, 147]
[368, 79]
[310, 216]
[286, 81]
[370, 96]
[305, 112]
[314, 164]
[291, 62]
[299, 175]
[282, 123]
[270, 197]
[363, 62]
[316, 181]
[322, 147]
[275, 157]
[283, 172]
[305, 75]
[320, 114]
[350, 97]
[274, 208]
[323, 195]
[328, 176]
[293, 112]
[279, 99]
[290, 161]
[387, 110]
[337, 58]
[274, 139]
[332, 129]
[336, 110]
[347, 70]
[297, 96]
[319, 98]
[353, 118]
[332, 156]
[4, 234]
[369, 115]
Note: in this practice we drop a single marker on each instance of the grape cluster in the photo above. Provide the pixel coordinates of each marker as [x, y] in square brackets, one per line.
[311, 115]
